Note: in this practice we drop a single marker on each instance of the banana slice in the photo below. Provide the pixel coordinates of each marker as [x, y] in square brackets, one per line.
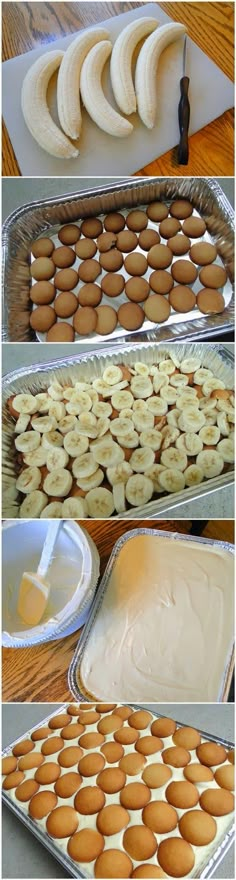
[225, 406]
[193, 475]
[157, 405]
[139, 490]
[93, 96]
[212, 385]
[127, 414]
[25, 403]
[33, 504]
[87, 425]
[210, 435]
[112, 375]
[141, 386]
[103, 426]
[172, 480]
[79, 402]
[112, 389]
[189, 395]
[159, 380]
[167, 366]
[170, 394]
[140, 405]
[141, 459]
[44, 424]
[211, 462]
[174, 458]
[102, 410]
[74, 508]
[67, 393]
[37, 458]
[120, 473]
[43, 401]
[56, 391]
[172, 417]
[100, 503]
[121, 400]
[57, 458]
[67, 424]
[143, 420]
[146, 69]
[120, 427]
[121, 62]
[202, 375]
[226, 450]
[191, 443]
[153, 473]
[52, 511]
[100, 386]
[108, 453]
[169, 436]
[119, 497]
[223, 424]
[68, 83]
[91, 482]
[131, 440]
[208, 404]
[84, 466]
[28, 441]
[190, 365]
[191, 420]
[22, 423]
[35, 110]
[179, 380]
[75, 444]
[82, 386]
[52, 440]
[58, 483]
[93, 395]
[56, 410]
[152, 439]
[29, 480]
[141, 369]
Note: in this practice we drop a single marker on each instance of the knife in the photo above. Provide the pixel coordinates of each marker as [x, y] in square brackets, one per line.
[184, 113]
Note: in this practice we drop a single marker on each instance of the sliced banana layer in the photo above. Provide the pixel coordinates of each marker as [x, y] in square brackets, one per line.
[35, 109]
[95, 102]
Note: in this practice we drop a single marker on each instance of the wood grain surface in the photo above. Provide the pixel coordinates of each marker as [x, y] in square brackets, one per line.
[26, 26]
[39, 674]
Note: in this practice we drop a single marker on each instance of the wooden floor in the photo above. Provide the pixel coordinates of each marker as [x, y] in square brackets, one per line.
[220, 529]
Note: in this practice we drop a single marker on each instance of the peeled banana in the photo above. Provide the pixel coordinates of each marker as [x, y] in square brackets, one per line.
[146, 69]
[121, 62]
[35, 110]
[68, 83]
[93, 96]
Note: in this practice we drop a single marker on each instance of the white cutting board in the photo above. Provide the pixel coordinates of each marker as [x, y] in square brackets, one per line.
[211, 93]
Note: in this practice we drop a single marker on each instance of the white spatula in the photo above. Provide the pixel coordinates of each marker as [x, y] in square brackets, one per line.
[34, 588]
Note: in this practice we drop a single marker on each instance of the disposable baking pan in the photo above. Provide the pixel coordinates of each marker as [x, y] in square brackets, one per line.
[74, 676]
[83, 366]
[209, 863]
[37, 218]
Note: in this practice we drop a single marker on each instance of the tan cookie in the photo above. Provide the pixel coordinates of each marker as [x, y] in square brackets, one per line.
[42, 269]
[182, 795]
[157, 308]
[183, 271]
[148, 871]
[86, 249]
[126, 736]
[135, 796]
[203, 253]
[85, 845]
[230, 756]
[43, 247]
[106, 241]
[176, 857]
[69, 234]
[111, 261]
[59, 721]
[127, 241]
[132, 764]
[89, 270]
[63, 257]
[210, 301]
[198, 773]
[179, 244]
[91, 740]
[89, 717]
[62, 822]
[169, 227]
[112, 284]
[89, 800]
[42, 293]
[156, 775]
[113, 861]
[159, 256]
[111, 780]
[213, 276]
[157, 211]
[40, 733]
[42, 318]
[163, 727]
[197, 828]
[74, 709]
[136, 220]
[147, 238]
[131, 316]
[109, 724]
[124, 711]
[22, 748]
[52, 745]
[26, 790]
[85, 320]
[67, 784]
[42, 804]
[194, 227]
[149, 745]
[61, 332]
[113, 752]
[135, 264]
[70, 756]
[47, 773]
[91, 227]
[181, 209]
[217, 801]
[66, 279]
[160, 817]
[106, 707]
[187, 737]
[112, 819]
[137, 289]
[9, 764]
[211, 754]
[182, 298]
[176, 756]
[161, 281]
[224, 777]
[140, 719]
[114, 222]
[91, 764]
[106, 320]
[139, 842]
[13, 779]
[65, 304]
[89, 295]
[71, 731]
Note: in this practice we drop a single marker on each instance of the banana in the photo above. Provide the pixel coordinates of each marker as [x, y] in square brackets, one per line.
[56, 391]
[170, 394]
[33, 504]
[139, 405]
[57, 410]
[43, 401]
[103, 425]
[93, 96]
[210, 435]
[37, 458]
[226, 449]
[58, 483]
[179, 380]
[208, 404]
[74, 508]
[108, 453]
[193, 475]
[52, 511]
[100, 386]
[67, 424]
[191, 443]
[153, 474]
[91, 482]
[44, 424]
[172, 480]
[202, 375]
[114, 388]
[223, 424]
[75, 444]
[102, 410]
[212, 385]
[141, 386]
[189, 395]
[159, 380]
[68, 83]
[157, 406]
[82, 386]
[66, 393]
[190, 365]
[141, 369]
[167, 366]
[143, 420]
[87, 425]
[121, 399]
[224, 406]
[100, 503]
[28, 441]
[152, 439]
[29, 480]
[131, 440]
[22, 423]
[138, 490]
[35, 110]
[169, 435]
[120, 473]
[121, 62]
[120, 427]
[174, 458]
[211, 462]
[141, 459]
[146, 69]
[57, 458]
[79, 402]
[52, 440]
[191, 420]
[119, 497]
[112, 375]
[84, 466]
[25, 403]
[172, 417]
[127, 414]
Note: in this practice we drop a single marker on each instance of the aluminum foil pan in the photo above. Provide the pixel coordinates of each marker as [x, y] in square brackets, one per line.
[84, 366]
[74, 677]
[37, 218]
[209, 863]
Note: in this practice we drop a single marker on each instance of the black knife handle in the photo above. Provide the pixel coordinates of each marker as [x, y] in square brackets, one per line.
[184, 117]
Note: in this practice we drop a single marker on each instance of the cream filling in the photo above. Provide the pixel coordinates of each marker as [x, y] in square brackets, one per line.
[164, 629]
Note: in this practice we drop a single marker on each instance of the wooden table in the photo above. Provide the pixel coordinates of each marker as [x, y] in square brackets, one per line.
[39, 674]
[28, 25]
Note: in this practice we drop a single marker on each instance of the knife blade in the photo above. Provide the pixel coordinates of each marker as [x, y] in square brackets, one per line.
[184, 113]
